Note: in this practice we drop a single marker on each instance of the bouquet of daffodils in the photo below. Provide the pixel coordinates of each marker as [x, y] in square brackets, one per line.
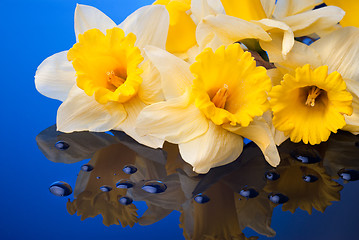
[205, 74]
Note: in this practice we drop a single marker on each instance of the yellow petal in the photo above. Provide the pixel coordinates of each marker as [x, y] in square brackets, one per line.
[244, 9]
[351, 7]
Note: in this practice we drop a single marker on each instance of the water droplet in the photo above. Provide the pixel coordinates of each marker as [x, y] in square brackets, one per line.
[87, 168]
[98, 177]
[105, 188]
[278, 198]
[201, 198]
[61, 145]
[154, 187]
[272, 175]
[60, 189]
[125, 200]
[349, 174]
[129, 169]
[123, 183]
[310, 178]
[307, 156]
[248, 193]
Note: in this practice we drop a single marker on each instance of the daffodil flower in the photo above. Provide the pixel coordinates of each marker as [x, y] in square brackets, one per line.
[210, 106]
[320, 88]
[284, 19]
[104, 80]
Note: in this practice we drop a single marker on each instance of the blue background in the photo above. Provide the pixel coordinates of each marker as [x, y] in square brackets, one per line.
[32, 30]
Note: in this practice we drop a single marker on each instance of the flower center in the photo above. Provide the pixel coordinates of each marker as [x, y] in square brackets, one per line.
[107, 65]
[313, 93]
[220, 98]
[114, 80]
[225, 95]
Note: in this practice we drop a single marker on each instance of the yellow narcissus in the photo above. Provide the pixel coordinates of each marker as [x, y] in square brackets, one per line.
[210, 106]
[104, 80]
[311, 104]
[327, 82]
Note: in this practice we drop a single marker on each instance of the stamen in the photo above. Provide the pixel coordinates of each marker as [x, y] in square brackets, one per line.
[220, 98]
[113, 79]
[313, 93]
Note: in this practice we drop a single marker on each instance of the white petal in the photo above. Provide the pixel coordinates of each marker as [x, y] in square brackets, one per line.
[299, 55]
[286, 8]
[87, 17]
[285, 31]
[81, 112]
[55, 76]
[228, 29]
[150, 90]
[175, 74]
[312, 21]
[260, 133]
[217, 6]
[215, 148]
[203, 8]
[149, 24]
[133, 109]
[176, 120]
[340, 50]
[268, 7]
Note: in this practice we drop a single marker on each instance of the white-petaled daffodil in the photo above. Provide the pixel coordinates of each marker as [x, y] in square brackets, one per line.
[284, 19]
[104, 80]
[319, 91]
[210, 106]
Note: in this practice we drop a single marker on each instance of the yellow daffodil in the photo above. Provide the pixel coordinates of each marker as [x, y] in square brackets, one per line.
[211, 104]
[285, 19]
[351, 8]
[311, 104]
[332, 62]
[104, 80]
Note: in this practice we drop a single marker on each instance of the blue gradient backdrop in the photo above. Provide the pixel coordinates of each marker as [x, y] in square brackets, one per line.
[30, 32]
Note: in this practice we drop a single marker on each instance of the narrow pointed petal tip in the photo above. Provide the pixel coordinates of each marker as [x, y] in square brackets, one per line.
[87, 17]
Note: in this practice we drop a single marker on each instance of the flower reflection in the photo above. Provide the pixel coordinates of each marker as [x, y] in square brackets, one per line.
[90, 201]
[305, 176]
